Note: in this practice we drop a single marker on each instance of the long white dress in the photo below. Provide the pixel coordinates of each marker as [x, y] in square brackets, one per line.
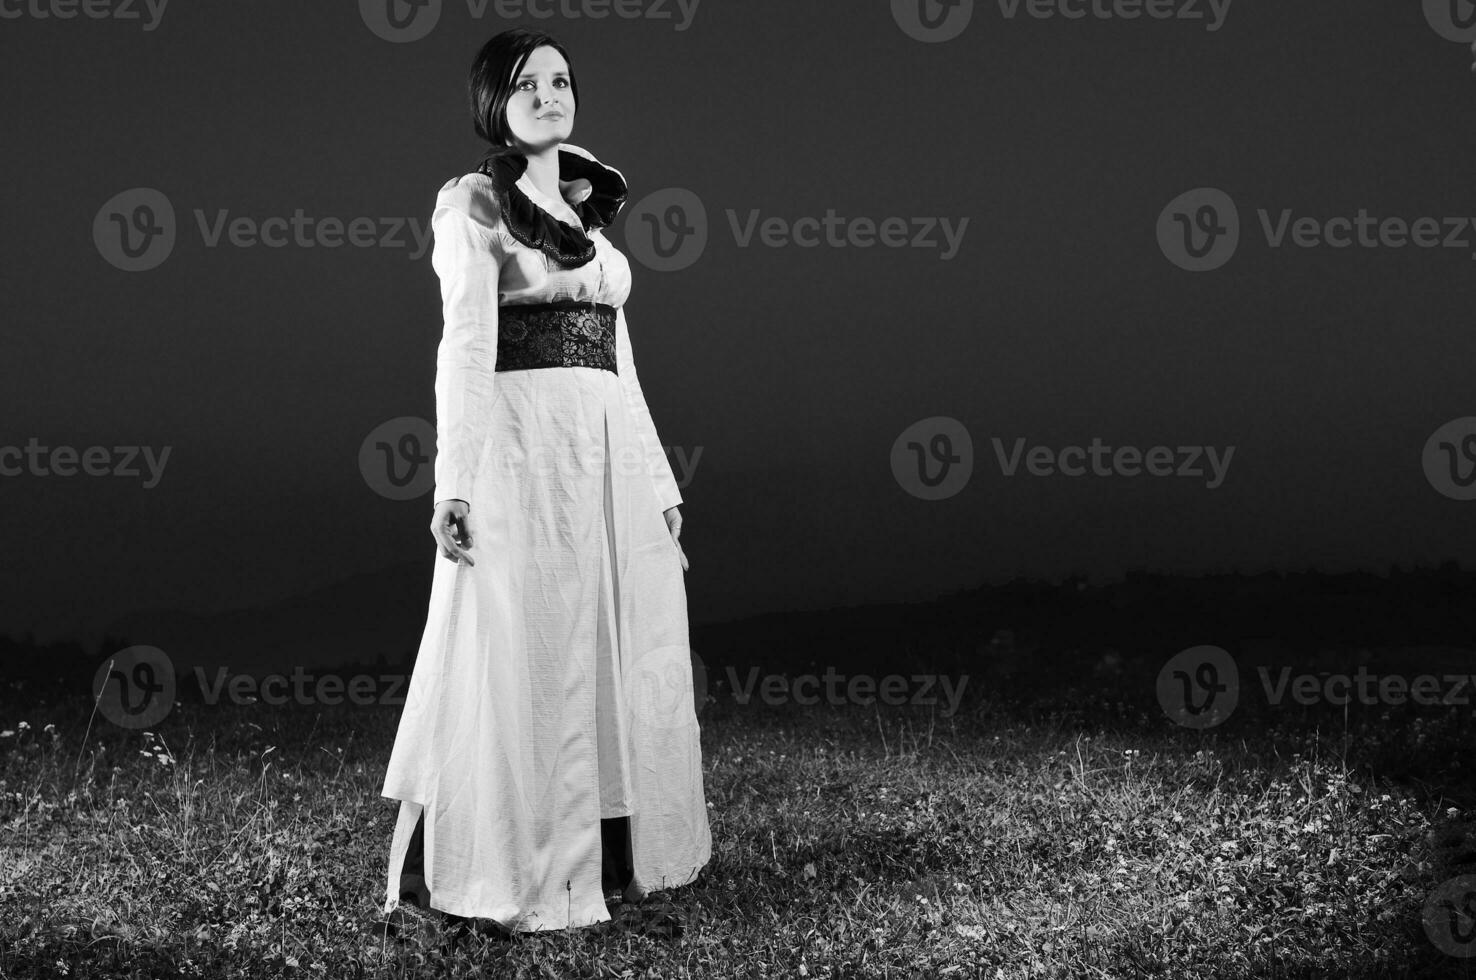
[553, 684]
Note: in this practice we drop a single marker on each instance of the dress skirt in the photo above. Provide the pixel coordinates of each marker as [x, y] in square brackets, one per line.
[553, 685]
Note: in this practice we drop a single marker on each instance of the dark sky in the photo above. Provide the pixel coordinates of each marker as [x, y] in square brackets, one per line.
[792, 369]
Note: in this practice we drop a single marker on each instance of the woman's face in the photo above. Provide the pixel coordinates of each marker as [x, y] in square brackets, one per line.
[540, 112]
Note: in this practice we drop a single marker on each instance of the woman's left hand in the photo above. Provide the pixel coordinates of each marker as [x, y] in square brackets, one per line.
[674, 525]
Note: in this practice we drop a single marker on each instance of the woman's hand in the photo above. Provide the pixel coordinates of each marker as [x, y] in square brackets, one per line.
[452, 530]
[674, 525]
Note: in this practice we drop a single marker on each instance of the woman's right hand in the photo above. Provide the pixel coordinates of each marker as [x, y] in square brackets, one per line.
[452, 530]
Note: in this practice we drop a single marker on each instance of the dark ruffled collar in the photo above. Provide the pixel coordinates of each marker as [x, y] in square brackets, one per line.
[532, 224]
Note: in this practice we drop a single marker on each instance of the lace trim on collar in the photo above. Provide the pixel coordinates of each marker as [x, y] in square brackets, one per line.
[532, 225]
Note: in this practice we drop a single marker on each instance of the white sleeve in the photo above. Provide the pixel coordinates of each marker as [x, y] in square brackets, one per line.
[657, 466]
[467, 256]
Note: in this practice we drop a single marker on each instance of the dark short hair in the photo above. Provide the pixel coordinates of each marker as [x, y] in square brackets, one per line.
[492, 79]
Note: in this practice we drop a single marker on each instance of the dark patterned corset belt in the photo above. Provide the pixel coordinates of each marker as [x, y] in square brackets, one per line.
[563, 334]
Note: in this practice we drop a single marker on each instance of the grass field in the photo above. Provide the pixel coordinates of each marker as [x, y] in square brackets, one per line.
[1073, 835]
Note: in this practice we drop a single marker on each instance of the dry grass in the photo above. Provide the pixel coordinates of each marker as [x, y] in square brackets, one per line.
[1064, 838]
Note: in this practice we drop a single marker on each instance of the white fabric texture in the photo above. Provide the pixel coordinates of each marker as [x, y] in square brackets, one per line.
[553, 683]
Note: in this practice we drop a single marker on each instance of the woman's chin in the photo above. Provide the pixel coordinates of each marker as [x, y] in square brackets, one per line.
[549, 138]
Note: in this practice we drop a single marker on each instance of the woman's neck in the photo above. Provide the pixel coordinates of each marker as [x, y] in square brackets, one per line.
[543, 171]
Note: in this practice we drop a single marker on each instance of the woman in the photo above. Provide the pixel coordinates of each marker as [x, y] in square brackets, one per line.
[548, 750]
